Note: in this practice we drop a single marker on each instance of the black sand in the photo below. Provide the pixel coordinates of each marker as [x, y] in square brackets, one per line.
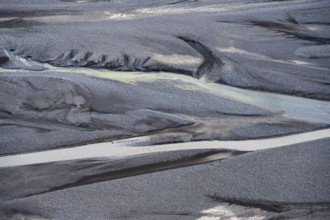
[186, 70]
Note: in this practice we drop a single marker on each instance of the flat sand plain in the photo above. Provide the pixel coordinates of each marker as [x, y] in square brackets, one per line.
[193, 109]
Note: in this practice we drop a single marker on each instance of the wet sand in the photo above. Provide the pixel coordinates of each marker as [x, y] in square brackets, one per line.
[194, 109]
[264, 184]
[118, 149]
[106, 106]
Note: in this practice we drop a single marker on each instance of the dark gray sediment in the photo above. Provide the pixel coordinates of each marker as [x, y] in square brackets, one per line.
[251, 45]
[78, 72]
[50, 109]
[291, 181]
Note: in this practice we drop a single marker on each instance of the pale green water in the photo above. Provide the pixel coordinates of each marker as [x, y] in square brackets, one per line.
[290, 106]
